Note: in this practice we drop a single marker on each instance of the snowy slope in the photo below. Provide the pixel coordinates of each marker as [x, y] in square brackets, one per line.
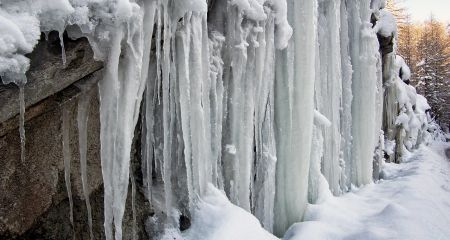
[412, 202]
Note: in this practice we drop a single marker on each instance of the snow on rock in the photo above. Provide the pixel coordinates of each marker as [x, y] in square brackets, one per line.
[422, 104]
[378, 4]
[18, 35]
[386, 25]
[405, 72]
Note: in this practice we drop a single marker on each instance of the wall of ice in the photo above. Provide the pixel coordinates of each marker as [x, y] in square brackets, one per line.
[273, 102]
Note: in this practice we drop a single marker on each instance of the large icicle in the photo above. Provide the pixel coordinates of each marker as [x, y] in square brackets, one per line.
[194, 100]
[237, 142]
[294, 112]
[347, 98]
[120, 97]
[82, 121]
[364, 55]
[329, 90]
[263, 192]
[148, 74]
[22, 122]
[67, 156]
[217, 107]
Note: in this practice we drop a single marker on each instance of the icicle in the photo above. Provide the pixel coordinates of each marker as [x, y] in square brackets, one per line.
[347, 97]
[294, 106]
[329, 89]
[167, 113]
[183, 46]
[217, 96]
[315, 175]
[22, 122]
[63, 50]
[82, 121]
[121, 92]
[133, 204]
[238, 75]
[364, 56]
[148, 74]
[67, 155]
[263, 192]
[159, 28]
[194, 87]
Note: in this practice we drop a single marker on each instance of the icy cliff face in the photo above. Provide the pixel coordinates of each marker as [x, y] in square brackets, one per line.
[273, 102]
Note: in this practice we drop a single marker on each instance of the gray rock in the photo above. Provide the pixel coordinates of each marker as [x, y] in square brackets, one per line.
[33, 200]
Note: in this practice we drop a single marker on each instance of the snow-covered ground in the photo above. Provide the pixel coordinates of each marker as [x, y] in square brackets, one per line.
[412, 202]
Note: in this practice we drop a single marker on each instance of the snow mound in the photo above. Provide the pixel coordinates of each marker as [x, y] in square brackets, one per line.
[216, 218]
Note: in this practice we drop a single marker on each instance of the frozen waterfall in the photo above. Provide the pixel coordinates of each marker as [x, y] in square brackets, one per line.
[271, 102]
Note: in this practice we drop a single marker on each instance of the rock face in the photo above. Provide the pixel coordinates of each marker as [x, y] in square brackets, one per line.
[34, 202]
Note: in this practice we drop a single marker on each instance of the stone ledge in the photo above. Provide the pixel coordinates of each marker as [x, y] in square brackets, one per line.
[47, 75]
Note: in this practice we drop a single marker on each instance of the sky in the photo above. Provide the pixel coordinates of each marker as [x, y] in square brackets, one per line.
[420, 10]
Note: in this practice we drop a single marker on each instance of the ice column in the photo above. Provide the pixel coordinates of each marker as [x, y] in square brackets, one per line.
[192, 61]
[22, 122]
[120, 97]
[347, 98]
[82, 121]
[263, 192]
[67, 156]
[294, 112]
[364, 56]
[329, 90]
[239, 80]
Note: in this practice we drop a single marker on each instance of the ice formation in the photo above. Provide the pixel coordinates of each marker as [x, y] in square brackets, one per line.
[276, 103]
[67, 155]
[82, 121]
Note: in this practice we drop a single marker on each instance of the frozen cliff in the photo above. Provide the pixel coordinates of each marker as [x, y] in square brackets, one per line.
[259, 107]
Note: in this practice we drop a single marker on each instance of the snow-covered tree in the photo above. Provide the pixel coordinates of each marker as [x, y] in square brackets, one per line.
[432, 68]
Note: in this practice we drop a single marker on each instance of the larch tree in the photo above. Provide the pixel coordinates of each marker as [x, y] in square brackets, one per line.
[432, 68]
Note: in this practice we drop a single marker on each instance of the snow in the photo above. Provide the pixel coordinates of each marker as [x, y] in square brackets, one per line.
[216, 218]
[392, 208]
[410, 202]
[21, 24]
[378, 4]
[320, 119]
[386, 25]
[422, 104]
[404, 68]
